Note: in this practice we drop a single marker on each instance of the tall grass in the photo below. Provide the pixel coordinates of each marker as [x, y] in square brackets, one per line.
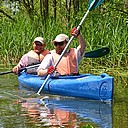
[99, 30]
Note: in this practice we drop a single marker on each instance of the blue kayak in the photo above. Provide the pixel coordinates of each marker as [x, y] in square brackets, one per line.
[83, 86]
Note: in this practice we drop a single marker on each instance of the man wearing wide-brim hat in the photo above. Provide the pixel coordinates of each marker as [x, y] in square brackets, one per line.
[68, 64]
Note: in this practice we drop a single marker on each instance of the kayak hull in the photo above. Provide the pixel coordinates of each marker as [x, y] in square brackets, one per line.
[82, 86]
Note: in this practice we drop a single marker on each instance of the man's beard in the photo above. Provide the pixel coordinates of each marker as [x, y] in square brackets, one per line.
[38, 51]
[59, 51]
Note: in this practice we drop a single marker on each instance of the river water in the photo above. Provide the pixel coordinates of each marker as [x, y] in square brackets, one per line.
[20, 108]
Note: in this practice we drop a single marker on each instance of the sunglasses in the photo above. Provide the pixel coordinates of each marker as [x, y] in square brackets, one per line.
[59, 43]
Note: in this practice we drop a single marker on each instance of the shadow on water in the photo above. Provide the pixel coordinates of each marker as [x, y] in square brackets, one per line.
[21, 108]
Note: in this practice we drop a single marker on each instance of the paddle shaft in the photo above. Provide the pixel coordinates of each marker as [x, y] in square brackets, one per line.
[7, 72]
[25, 68]
[91, 5]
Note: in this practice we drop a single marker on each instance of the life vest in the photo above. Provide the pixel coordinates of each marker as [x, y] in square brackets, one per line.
[62, 118]
[67, 64]
[34, 58]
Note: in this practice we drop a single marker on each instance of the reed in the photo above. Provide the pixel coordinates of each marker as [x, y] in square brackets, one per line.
[99, 29]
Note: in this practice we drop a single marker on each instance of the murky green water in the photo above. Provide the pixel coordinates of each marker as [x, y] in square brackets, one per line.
[23, 109]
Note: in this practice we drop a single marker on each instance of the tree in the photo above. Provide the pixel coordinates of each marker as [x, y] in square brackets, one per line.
[29, 6]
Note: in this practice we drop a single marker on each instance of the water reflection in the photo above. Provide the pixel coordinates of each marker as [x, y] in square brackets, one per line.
[66, 112]
[47, 114]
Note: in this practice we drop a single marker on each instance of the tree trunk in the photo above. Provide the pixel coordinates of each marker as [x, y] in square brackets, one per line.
[76, 6]
[54, 9]
[45, 10]
[68, 8]
[41, 12]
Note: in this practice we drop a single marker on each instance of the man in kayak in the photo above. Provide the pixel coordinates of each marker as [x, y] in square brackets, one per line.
[33, 57]
[68, 64]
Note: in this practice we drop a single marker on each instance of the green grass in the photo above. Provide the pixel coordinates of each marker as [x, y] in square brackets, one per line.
[100, 29]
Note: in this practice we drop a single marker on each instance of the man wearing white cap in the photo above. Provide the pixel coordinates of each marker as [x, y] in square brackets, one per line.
[34, 56]
[68, 64]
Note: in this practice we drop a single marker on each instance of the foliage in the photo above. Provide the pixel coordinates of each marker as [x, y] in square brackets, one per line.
[104, 26]
[87, 126]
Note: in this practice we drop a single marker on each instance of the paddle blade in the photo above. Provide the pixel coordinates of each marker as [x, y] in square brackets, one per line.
[97, 53]
[96, 3]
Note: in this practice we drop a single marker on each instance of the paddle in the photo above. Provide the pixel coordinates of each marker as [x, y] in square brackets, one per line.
[97, 53]
[92, 4]
[25, 68]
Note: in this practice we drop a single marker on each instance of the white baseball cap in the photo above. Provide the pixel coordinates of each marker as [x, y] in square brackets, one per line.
[60, 38]
[39, 39]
